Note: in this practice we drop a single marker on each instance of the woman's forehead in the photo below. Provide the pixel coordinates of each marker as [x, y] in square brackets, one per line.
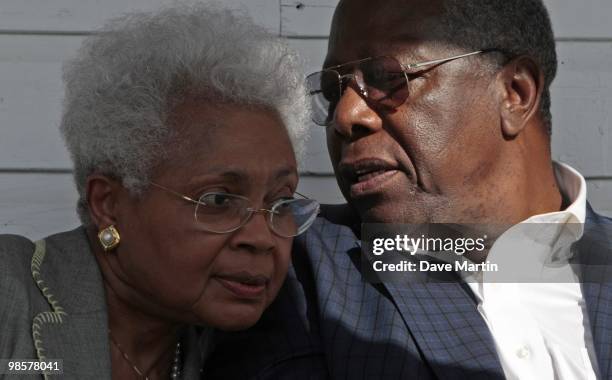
[239, 141]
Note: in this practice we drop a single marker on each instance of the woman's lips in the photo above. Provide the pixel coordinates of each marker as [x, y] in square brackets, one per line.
[244, 286]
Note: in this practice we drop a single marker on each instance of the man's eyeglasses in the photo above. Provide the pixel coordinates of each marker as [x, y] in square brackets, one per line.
[382, 80]
[223, 212]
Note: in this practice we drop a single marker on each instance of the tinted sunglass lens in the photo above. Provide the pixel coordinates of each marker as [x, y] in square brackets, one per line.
[324, 90]
[385, 81]
[381, 79]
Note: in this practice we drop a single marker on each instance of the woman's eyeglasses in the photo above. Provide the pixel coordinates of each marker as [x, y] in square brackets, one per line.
[382, 80]
[223, 212]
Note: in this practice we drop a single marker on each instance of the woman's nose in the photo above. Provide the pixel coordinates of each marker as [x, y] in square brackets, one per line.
[256, 234]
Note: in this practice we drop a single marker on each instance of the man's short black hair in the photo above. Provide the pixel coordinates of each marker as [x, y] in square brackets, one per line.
[516, 27]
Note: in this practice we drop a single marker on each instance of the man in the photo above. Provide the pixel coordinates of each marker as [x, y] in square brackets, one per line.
[456, 129]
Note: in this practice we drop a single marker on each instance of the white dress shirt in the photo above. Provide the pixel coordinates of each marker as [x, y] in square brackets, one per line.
[541, 329]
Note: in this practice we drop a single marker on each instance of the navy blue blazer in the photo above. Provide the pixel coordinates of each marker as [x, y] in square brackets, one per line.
[327, 322]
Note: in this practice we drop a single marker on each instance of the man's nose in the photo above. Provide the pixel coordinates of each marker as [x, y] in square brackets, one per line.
[355, 116]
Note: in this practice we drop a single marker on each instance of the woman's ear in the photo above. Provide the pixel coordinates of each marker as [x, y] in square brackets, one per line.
[523, 82]
[102, 198]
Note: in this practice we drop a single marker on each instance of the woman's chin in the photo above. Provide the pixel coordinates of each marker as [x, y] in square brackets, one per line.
[232, 316]
[238, 322]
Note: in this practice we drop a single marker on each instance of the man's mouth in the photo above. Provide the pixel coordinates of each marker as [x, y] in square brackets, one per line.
[244, 285]
[367, 176]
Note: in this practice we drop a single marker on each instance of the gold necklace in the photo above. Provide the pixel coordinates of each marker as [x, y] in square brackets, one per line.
[175, 373]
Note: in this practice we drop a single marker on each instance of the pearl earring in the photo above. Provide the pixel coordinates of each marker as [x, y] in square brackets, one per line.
[109, 238]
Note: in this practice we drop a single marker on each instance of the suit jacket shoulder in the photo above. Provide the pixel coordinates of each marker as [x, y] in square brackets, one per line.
[594, 256]
[15, 254]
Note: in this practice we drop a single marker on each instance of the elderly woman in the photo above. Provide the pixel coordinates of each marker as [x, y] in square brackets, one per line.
[182, 126]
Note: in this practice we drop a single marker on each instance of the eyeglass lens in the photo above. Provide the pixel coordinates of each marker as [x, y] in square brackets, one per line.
[381, 80]
[218, 212]
[294, 216]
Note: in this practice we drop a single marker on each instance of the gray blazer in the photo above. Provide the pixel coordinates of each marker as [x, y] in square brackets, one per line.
[52, 306]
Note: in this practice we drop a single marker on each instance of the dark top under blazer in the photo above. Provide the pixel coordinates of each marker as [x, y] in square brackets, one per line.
[328, 323]
[54, 307]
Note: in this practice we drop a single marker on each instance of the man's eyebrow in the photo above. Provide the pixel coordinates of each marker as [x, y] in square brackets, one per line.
[328, 63]
[340, 65]
[331, 60]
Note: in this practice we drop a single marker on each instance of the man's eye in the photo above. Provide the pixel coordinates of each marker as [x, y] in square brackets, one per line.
[331, 90]
[386, 80]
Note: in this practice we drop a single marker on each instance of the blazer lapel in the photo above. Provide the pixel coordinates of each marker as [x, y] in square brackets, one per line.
[75, 329]
[594, 256]
[444, 321]
[81, 343]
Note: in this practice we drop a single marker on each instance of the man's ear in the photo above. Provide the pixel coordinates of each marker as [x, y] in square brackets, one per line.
[102, 198]
[523, 83]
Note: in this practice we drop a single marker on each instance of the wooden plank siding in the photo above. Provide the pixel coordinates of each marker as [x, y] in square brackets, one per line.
[67, 17]
[571, 19]
[37, 195]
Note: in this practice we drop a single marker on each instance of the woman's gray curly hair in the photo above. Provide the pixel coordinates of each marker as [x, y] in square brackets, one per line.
[125, 81]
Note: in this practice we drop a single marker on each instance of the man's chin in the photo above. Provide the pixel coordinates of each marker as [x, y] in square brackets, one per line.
[400, 202]
[390, 213]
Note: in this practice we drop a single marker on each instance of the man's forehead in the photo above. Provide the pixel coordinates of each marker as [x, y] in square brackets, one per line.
[361, 25]
[367, 14]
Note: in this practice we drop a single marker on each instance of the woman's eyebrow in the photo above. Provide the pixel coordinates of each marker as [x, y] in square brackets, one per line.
[241, 176]
[286, 172]
[233, 176]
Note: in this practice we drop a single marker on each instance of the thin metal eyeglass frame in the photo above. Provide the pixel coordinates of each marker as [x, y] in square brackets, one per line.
[250, 210]
[405, 70]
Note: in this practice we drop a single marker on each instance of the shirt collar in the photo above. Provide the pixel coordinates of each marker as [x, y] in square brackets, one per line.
[545, 237]
[573, 187]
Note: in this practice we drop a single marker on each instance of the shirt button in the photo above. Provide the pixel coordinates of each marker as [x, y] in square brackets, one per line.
[523, 352]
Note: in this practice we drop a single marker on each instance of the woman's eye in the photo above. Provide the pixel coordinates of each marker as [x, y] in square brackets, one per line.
[282, 199]
[216, 199]
[282, 205]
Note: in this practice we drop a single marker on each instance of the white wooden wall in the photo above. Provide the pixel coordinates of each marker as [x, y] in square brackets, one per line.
[37, 196]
